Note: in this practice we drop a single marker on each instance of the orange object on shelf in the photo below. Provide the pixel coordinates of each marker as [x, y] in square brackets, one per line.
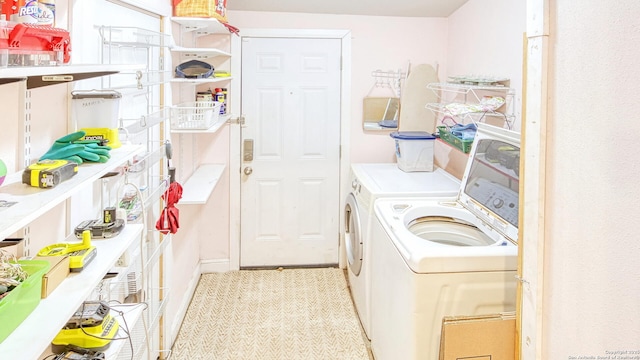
[201, 8]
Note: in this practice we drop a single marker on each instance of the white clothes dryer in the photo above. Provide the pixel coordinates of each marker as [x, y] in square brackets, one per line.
[368, 183]
[434, 258]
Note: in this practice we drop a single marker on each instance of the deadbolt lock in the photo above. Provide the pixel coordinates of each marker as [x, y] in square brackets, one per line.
[247, 152]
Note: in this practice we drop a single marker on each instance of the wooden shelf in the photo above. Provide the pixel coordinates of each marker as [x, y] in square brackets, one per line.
[31, 202]
[53, 312]
[197, 189]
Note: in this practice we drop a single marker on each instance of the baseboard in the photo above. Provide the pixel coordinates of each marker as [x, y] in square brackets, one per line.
[213, 266]
[186, 300]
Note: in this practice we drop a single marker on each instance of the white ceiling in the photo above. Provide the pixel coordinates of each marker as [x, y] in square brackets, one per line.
[412, 8]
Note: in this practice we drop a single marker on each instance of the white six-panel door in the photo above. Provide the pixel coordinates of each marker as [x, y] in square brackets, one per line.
[290, 188]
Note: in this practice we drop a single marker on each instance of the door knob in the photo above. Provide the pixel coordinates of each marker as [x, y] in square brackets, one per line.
[248, 170]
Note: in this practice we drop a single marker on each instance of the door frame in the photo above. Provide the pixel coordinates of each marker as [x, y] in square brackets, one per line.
[235, 101]
[533, 234]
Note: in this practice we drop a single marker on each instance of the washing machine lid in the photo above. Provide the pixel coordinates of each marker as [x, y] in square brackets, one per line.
[386, 179]
[490, 185]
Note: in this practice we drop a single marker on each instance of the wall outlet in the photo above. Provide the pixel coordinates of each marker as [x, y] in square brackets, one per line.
[123, 260]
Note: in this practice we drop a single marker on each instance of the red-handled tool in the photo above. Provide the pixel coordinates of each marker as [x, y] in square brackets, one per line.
[169, 218]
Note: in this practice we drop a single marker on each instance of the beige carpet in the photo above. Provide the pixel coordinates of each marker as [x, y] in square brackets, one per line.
[292, 314]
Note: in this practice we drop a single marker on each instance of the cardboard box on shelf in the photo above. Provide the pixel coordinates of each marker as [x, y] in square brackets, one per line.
[13, 246]
[57, 273]
[481, 337]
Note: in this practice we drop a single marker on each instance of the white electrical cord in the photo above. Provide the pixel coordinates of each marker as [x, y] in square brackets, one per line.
[142, 260]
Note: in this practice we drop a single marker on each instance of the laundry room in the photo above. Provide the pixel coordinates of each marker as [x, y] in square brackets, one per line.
[236, 179]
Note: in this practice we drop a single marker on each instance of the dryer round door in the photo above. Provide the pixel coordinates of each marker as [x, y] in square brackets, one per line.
[352, 235]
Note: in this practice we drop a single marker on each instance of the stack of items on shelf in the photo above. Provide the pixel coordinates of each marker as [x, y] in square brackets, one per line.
[29, 38]
[218, 95]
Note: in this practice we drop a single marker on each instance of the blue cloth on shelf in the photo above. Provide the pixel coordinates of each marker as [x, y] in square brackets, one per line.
[464, 132]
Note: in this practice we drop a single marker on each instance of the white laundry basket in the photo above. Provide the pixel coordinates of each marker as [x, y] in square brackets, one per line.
[414, 150]
[198, 115]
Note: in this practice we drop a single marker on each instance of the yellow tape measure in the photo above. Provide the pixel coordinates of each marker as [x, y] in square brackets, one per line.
[80, 253]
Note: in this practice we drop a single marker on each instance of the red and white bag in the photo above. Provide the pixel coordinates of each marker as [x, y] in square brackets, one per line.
[201, 8]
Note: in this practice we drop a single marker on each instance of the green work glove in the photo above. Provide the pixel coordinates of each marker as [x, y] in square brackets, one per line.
[70, 147]
[64, 149]
[93, 147]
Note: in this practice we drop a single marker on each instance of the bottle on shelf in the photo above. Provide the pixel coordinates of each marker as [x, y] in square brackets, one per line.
[221, 98]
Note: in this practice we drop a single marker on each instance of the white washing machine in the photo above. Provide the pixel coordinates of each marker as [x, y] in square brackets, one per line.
[370, 182]
[434, 258]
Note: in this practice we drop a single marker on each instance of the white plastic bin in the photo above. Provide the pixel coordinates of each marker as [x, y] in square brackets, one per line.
[95, 108]
[198, 115]
[414, 150]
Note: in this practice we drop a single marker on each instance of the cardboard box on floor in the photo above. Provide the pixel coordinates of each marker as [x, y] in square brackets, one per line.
[57, 273]
[482, 337]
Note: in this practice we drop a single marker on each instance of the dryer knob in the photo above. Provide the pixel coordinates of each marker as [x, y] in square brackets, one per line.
[497, 203]
[354, 184]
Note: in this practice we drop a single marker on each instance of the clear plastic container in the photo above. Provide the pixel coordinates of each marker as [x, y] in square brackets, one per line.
[95, 108]
[414, 150]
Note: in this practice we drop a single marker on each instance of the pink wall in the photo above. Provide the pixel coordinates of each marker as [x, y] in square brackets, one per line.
[591, 287]
[486, 38]
[384, 43]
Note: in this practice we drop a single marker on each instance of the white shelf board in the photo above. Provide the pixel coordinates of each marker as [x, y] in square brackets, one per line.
[213, 129]
[27, 71]
[34, 335]
[211, 52]
[33, 202]
[203, 25]
[197, 189]
[201, 81]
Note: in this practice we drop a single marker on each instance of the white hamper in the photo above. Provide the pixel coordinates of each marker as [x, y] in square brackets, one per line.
[414, 150]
